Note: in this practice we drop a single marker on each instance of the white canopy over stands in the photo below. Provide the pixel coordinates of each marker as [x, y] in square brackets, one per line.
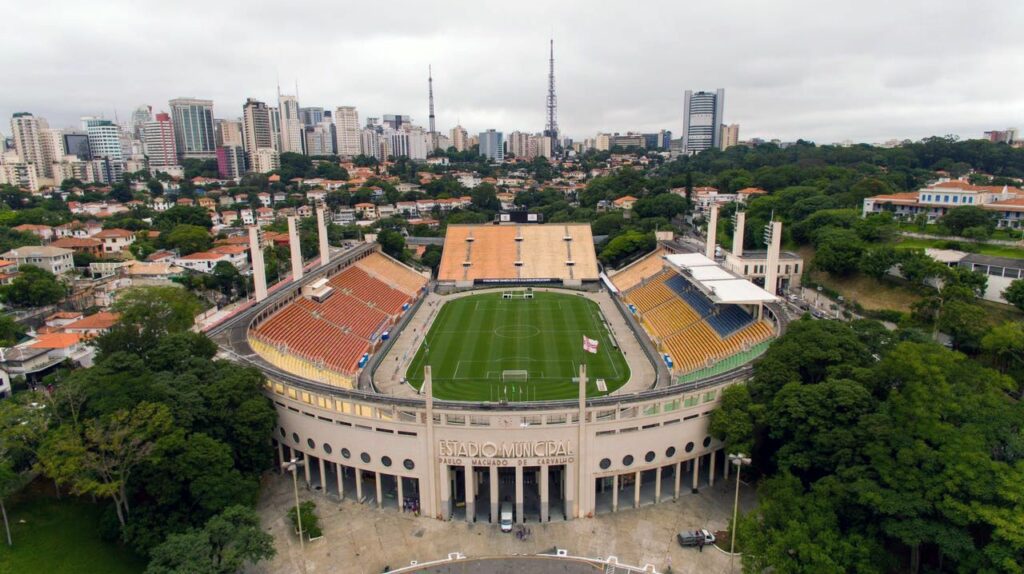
[718, 284]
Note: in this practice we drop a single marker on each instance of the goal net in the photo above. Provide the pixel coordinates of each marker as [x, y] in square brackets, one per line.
[515, 376]
[528, 294]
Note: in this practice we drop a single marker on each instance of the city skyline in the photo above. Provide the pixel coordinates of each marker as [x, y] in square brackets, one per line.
[838, 74]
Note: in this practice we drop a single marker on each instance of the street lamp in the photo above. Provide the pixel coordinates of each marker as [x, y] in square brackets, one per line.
[293, 466]
[739, 459]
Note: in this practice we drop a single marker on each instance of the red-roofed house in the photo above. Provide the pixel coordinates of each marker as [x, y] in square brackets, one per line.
[114, 241]
[92, 325]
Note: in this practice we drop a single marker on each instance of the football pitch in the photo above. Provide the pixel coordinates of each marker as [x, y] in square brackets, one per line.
[474, 341]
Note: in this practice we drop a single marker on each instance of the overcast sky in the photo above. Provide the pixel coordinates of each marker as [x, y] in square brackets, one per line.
[827, 71]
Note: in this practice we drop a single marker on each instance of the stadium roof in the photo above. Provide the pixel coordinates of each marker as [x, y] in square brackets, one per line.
[719, 285]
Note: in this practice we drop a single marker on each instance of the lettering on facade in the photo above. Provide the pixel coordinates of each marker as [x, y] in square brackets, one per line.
[490, 453]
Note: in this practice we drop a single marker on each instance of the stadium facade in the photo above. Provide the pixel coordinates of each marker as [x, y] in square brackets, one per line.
[321, 339]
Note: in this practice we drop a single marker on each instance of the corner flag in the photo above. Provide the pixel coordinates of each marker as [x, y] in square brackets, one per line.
[589, 345]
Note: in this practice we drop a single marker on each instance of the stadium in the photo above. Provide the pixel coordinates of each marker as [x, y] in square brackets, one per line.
[523, 374]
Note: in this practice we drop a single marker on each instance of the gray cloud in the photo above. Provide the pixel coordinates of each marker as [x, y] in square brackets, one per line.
[826, 71]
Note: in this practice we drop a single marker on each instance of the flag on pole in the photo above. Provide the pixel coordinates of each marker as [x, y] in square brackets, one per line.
[589, 345]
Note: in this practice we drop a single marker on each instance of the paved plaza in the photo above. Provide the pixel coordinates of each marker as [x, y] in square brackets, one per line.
[360, 539]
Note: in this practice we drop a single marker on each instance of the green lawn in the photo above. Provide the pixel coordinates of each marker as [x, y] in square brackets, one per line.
[60, 536]
[981, 248]
[474, 339]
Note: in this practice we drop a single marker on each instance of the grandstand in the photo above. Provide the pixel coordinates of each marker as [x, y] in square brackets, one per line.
[508, 253]
[335, 330]
[629, 276]
[688, 326]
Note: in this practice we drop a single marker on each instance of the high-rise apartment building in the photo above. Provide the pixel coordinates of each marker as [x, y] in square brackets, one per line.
[703, 113]
[1007, 136]
[229, 133]
[275, 126]
[104, 139]
[370, 143]
[730, 136]
[158, 141]
[230, 161]
[265, 160]
[603, 142]
[519, 145]
[291, 124]
[31, 144]
[319, 138]
[54, 140]
[257, 129]
[660, 140]
[460, 138]
[347, 133]
[14, 170]
[193, 128]
[397, 122]
[492, 145]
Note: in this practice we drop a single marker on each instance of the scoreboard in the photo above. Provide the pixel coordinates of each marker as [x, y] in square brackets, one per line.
[519, 217]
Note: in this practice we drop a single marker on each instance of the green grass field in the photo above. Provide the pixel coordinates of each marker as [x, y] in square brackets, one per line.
[61, 536]
[474, 339]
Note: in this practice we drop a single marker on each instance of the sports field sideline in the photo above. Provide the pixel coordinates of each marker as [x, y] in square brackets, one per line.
[474, 340]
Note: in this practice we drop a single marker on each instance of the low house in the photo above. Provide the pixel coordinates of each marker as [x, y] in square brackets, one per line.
[44, 232]
[624, 202]
[115, 241]
[92, 325]
[203, 262]
[86, 246]
[53, 259]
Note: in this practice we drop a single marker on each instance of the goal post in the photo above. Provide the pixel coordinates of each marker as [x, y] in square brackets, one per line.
[515, 376]
[527, 294]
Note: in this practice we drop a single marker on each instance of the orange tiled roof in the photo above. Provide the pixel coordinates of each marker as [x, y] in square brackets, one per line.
[56, 341]
[101, 320]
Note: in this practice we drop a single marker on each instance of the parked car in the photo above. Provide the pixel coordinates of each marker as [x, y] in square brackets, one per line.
[694, 537]
[506, 517]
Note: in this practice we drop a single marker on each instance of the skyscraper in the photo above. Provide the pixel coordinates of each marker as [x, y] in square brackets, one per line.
[291, 124]
[140, 116]
[104, 138]
[730, 136]
[460, 138]
[702, 118]
[257, 131]
[312, 116]
[158, 141]
[193, 128]
[397, 122]
[29, 142]
[230, 161]
[492, 145]
[77, 144]
[229, 133]
[346, 131]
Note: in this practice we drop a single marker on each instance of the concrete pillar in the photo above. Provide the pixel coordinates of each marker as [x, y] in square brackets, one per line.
[737, 235]
[615, 493]
[636, 489]
[295, 248]
[432, 503]
[493, 479]
[321, 229]
[446, 503]
[711, 469]
[544, 493]
[709, 248]
[519, 494]
[696, 473]
[305, 467]
[583, 494]
[359, 485]
[259, 270]
[771, 271]
[725, 467]
[470, 493]
[657, 485]
[380, 495]
[401, 497]
[569, 490]
[678, 475]
[341, 482]
[280, 456]
[323, 475]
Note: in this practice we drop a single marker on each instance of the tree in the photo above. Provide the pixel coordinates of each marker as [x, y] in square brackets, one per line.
[99, 457]
[33, 287]
[431, 256]
[733, 422]
[310, 521]
[485, 197]
[626, 245]
[838, 251]
[666, 205]
[1014, 294]
[958, 219]
[392, 242]
[876, 261]
[157, 309]
[224, 545]
[10, 331]
[964, 322]
[187, 239]
[182, 214]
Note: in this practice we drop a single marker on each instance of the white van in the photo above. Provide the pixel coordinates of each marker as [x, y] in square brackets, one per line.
[506, 517]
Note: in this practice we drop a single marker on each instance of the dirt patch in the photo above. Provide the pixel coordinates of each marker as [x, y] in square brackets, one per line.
[870, 293]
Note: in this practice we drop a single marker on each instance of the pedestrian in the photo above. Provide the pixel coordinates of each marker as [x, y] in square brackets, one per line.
[700, 544]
